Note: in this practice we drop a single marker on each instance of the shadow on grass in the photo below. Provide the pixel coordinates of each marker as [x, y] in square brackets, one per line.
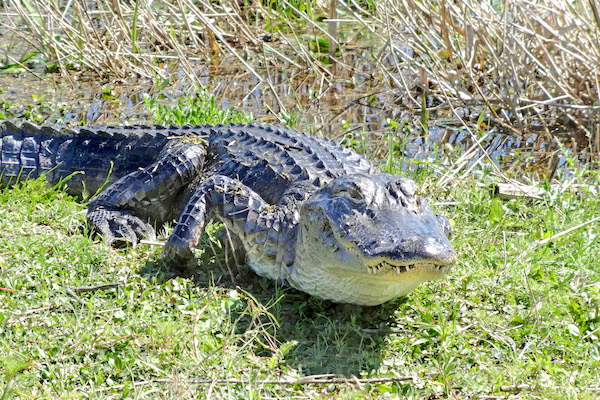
[331, 338]
[328, 338]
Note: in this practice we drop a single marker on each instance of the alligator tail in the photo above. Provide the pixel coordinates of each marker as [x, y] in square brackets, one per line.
[83, 159]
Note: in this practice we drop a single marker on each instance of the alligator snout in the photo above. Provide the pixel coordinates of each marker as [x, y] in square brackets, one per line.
[414, 249]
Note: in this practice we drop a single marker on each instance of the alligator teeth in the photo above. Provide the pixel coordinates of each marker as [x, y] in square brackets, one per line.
[377, 268]
[387, 267]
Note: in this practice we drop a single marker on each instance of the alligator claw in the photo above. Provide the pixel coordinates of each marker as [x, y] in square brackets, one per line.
[117, 226]
[179, 256]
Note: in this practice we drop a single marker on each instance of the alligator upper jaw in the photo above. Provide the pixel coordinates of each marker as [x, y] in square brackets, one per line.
[421, 270]
[381, 266]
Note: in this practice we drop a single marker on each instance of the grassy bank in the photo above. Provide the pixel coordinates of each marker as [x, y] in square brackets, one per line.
[517, 317]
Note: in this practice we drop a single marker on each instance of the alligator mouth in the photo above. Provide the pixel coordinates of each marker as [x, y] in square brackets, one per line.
[424, 269]
[385, 266]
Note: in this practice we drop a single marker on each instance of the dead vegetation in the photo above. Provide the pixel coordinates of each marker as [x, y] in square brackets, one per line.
[516, 68]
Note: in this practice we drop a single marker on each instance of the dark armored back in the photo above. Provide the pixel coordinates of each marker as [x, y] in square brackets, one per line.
[93, 156]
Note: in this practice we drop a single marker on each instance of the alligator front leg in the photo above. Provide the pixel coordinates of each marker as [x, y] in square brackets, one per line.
[226, 198]
[122, 211]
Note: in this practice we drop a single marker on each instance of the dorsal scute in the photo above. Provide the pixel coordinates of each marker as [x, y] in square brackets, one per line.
[318, 157]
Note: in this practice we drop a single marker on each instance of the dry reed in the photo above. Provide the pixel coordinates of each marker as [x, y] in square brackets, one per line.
[530, 66]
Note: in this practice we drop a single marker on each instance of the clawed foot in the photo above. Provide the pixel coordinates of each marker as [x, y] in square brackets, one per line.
[179, 255]
[119, 226]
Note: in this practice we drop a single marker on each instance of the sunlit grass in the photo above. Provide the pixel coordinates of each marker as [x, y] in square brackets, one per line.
[515, 316]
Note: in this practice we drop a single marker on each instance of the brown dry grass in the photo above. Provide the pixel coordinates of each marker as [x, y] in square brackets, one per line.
[529, 66]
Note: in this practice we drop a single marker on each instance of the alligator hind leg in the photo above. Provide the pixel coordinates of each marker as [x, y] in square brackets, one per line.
[122, 211]
[226, 198]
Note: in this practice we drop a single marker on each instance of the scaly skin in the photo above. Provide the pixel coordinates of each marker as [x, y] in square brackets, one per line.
[306, 210]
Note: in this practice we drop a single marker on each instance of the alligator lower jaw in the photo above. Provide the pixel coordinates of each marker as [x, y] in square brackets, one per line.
[425, 268]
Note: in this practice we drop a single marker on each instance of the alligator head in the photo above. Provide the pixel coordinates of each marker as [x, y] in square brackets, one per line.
[366, 239]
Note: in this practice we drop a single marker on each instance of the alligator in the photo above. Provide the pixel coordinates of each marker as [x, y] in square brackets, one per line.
[306, 210]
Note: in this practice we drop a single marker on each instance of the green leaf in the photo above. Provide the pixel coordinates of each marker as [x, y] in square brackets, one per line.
[573, 330]
[496, 210]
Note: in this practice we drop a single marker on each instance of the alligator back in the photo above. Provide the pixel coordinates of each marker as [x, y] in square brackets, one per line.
[269, 158]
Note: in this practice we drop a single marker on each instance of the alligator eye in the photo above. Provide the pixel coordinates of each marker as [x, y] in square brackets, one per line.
[350, 194]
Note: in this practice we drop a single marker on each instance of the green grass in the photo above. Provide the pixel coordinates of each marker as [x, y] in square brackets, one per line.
[511, 313]
[194, 110]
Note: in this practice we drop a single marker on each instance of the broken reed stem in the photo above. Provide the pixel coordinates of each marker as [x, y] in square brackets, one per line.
[325, 379]
[565, 232]
[332, 29]
[152, 243]
[82, 289]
